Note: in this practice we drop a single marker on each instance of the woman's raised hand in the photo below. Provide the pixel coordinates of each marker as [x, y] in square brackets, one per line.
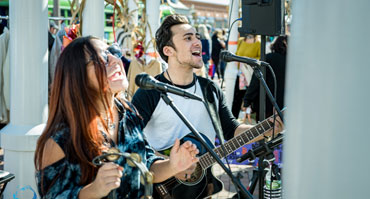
[107, 179]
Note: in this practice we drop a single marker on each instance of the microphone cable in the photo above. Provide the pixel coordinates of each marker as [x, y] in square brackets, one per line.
[274, 121]
[228, 38]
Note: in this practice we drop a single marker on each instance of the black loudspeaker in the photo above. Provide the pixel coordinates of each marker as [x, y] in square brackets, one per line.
[262, 17]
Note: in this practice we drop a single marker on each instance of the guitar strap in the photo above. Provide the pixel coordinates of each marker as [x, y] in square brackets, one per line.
[207, 89]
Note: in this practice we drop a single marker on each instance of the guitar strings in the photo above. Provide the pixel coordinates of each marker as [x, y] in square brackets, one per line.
[173, 180]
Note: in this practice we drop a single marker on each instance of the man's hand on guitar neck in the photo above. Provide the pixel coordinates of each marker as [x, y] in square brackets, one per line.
[279, 126]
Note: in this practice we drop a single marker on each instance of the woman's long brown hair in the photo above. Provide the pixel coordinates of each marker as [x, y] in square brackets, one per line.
[73, 102]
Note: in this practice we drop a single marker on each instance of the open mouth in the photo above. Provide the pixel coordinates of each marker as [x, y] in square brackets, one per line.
[196, 53]
[116, 76]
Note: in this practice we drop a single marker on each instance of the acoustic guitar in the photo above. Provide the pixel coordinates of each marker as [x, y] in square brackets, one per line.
[202, 182]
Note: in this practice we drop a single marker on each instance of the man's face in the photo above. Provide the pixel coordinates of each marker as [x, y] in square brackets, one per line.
[53, 30]
[188, 48]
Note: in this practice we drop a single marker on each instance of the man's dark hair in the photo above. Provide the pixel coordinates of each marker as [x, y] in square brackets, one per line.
[163, 36]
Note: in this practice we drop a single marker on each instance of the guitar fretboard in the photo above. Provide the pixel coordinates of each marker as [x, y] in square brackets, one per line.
[232, 145]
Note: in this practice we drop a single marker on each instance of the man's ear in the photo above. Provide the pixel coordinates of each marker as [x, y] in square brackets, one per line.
[168, 51]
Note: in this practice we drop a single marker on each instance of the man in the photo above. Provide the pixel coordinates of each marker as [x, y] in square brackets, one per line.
[179, 45]
[53, 28]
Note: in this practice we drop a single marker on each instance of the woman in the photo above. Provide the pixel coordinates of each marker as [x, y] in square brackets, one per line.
[87, 119]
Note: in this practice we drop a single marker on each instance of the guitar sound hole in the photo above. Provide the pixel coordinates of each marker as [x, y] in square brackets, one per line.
[196, 176]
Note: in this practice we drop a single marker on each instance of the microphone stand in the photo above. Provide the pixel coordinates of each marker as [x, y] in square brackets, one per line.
[262, 97]
[259, 75]
[261, 150]
[245, 193]
[265, 150]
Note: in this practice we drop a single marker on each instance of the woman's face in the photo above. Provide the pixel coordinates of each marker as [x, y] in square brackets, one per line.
[115, 74]
[250, 39]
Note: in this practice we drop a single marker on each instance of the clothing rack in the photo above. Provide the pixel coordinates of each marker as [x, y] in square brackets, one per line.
[60, 18]
[50, 18]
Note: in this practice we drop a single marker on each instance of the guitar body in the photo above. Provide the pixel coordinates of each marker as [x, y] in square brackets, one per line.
[201, 184]
[208, 186]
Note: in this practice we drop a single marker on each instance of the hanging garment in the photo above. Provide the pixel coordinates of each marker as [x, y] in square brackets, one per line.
[153, 68]
[5, 77]
[245, 76]
[55, 52]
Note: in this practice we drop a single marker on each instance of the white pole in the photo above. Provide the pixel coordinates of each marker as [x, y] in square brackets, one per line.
[152, 12]
[327, 146]
[28, 93]
[93, 19]
[131, 8]
[231, 70]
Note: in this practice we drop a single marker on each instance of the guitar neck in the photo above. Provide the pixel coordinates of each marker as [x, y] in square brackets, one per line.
[235, 143]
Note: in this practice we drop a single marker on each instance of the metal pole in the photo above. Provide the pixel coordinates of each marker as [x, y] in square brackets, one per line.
[56, 11]
[152, 14]
[231, 69]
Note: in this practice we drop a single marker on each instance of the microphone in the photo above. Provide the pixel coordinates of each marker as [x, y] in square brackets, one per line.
[115, 49]
[227, 56]
[146, 81]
